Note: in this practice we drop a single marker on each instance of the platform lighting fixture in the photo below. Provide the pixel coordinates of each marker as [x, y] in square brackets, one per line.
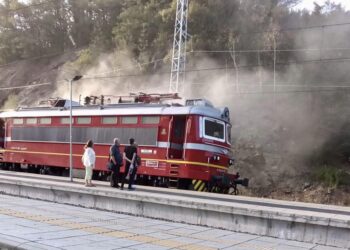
[74, 79]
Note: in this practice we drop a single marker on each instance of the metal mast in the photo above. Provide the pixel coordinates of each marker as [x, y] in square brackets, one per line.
[178, 62]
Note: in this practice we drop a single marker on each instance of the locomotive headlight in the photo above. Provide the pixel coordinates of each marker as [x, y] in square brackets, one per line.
[216, 158]
[231, 161]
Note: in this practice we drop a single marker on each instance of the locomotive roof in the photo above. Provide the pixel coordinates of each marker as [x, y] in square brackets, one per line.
[117, 109]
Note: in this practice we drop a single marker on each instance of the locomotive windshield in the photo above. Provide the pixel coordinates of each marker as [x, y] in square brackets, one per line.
[214, 129]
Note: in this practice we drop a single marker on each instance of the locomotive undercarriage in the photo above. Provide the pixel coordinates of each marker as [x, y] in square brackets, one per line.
[217, 184]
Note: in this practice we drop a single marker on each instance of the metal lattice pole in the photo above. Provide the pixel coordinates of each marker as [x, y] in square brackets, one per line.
[178, 63]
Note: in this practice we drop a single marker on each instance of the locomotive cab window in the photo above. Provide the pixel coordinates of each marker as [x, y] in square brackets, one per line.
[214, 129]
[228, 133]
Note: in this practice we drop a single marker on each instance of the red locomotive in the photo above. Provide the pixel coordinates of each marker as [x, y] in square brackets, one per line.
[184, 146]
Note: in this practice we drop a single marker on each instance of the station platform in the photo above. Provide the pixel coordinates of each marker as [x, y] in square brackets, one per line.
[313, 224]
[34, 224]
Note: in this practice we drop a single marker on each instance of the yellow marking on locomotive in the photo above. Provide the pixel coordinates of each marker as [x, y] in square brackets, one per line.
[201, 188]
[196, 185]
[199, 185]
[105, 157]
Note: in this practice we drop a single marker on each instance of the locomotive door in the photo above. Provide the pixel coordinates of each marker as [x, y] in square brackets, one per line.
[177, 137]
[2, 133]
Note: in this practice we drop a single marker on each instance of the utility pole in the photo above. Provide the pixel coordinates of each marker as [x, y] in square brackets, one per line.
[178, 63]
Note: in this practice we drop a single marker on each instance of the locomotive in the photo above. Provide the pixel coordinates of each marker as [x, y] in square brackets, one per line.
[181, 146]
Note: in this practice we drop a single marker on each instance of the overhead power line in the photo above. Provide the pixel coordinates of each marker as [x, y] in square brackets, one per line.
[218, 68]
[296, 28]
[40, 57]
[289, 91]
[26, 86]
[270, 50]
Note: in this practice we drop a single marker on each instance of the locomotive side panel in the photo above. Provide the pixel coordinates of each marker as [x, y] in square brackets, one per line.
[174, 142]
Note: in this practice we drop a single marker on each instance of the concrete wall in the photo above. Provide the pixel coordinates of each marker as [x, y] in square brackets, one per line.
[306, 226]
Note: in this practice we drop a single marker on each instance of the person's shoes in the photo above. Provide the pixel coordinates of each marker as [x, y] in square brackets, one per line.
[131, 189]
[121, 188]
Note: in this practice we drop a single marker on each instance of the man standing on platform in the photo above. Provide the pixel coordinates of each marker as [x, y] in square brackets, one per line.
[130, 154]
[117, 161]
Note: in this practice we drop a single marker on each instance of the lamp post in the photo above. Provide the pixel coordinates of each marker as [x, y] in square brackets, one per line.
[75, 78]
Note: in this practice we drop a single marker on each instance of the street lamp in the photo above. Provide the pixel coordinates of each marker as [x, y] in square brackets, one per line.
[75, 78]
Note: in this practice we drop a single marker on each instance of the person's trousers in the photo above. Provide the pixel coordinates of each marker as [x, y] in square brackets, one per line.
[115, 177]
[131, 177]
[88, 173]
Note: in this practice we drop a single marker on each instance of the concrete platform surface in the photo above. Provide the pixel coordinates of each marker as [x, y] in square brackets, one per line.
[312, 223]
[34, 224]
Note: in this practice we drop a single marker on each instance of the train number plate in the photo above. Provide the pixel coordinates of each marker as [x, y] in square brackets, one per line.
[152, 164]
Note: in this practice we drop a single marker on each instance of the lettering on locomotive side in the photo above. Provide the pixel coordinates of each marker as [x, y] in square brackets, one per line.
[152, 164]
[146, 151]
[19, 148]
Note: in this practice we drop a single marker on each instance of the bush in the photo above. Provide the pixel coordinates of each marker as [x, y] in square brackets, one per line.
[332, 176]
[11, 102]
[85, 59]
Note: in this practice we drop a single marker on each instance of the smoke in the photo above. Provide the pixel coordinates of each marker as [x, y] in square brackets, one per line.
[282, 123]
[115, 74]
[284, 129]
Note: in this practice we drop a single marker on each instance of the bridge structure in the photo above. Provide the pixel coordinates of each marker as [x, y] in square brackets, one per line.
[312, 226]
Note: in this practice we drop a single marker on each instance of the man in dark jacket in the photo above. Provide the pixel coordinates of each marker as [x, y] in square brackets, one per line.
[130, 153]
[117, 161]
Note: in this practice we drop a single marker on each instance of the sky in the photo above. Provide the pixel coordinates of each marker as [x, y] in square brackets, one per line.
[309, 4]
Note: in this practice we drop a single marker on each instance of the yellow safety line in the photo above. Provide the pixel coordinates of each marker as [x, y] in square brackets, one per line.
[98, 230]
[106, 157]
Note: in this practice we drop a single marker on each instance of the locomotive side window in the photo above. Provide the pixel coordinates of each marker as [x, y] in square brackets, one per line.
[129, 120]
[45, 120]
[32, 121]
[109, 120]
[66, 120]
[102, 135]
[214, 129]
[18, 121]
[150, 119]
[84, 120]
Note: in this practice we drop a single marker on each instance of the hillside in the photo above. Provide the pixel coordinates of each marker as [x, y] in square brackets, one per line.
[282, 73]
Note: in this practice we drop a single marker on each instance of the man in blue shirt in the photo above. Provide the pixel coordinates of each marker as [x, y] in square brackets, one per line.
[117, 161]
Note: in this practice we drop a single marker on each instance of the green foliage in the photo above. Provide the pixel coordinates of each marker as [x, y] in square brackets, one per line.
[85, 59]
[332, 176]
[144, 29]
[11, 102]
